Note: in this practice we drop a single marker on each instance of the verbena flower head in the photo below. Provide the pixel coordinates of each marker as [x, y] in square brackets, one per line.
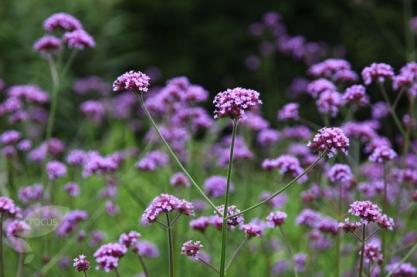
[166, 203]
[146, 249]
[81, 264]
[234, 102]
[276, 218]
[8, 208]
[403, 270]
[349, 227]
[317, 87]
[132, 81]
[179, 179]
[329, 102]
[200, 224]
[378, 71]
[16, 228]
[356, 94]
[413, 24]
[234, 220]
[289, 112]
[254, 229]
[308, 218]
[215, 186]
[191, 249]
[79, 39]
[332, 139]
[10, 137]
[48, 45]
[365, 210]
[340, 173]
[56, 169]
[108, 255]
[385, 222]
[382, 154]
[372, 253]
[129, 239]
[62, 21]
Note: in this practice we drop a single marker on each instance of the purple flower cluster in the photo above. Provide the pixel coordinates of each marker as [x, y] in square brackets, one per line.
[146, 249]
[79, 39]
[215, 186]
[129, 239]
[166, 203]
[276, 218]
[287, 164]
[16, 228]
[132, 81]
[70, 221]
[254, 229]
[329, 102]
[108, 255]
[233, 220]
[81, 264]
[200, 224]
[152, 160]
[74, 35]
[63, 21]
[356, 94]
[93, 109]
[48, 44]
[378, 71]
[334, 69]
[340, 173]
[29, 193]
[29, 93]
[179, 179]
[8, 208]
[289, 112]
[382, 154]
[401, 270]
[330, 139]
[234, 102]
[56, 169]
[317, 87]
[191, 249]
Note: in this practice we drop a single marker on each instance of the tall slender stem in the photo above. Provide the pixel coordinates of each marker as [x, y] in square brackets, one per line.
[384, 210]
[170, 247]
[226, 202]
[362, 250]
[403, 260]
[20, 264]
[237, 251]
[396, 119]
[1, 246]
[140, 99]
[145, 271]
[287, 244]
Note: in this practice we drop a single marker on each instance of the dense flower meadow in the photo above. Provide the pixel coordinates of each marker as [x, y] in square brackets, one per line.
[153, 184]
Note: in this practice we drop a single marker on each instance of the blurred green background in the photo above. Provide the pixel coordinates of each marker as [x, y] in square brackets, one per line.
[207, 41]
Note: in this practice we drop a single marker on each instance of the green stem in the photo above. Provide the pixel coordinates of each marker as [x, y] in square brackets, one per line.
[237, 251]
[1, 246]
[145, 271]
[52, 112]
[226, 202]
[287, 244]
[409, 38]
[209, 265]
[396, 120]
[117, 272]
[384, 209]
[284, 188]
[85, 273]
[170, 247]
[10, 177]
[362, 250]
[140, 98]
[20, 264]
